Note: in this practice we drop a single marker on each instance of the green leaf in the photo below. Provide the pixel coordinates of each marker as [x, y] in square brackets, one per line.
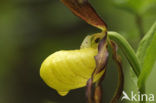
[145, 42]
[147, 55]
[130, 83]
[150, 82]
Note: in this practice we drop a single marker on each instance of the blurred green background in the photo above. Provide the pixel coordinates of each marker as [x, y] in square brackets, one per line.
[30, 30]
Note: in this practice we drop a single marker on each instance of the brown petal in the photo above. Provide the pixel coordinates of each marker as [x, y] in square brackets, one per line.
[85, 11]
[102, 56]
[101, 62]
[98, 94]
[120, 85]
[89, 91]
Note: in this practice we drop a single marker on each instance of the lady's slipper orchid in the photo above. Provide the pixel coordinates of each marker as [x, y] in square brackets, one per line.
[70, 69]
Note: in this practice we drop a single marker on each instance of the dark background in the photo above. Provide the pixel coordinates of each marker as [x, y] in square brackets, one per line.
[30, 30]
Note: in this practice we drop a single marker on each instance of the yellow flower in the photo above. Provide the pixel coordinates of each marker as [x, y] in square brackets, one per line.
[70, 69]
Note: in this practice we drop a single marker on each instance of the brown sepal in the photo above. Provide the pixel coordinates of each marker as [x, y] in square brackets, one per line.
[85, 11]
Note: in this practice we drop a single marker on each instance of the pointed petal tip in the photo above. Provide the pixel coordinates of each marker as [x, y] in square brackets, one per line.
[63, 93]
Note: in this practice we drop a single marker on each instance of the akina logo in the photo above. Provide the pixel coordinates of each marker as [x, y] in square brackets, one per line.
[137, 97]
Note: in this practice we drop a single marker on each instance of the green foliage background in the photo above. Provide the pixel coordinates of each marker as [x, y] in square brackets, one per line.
[30, 30]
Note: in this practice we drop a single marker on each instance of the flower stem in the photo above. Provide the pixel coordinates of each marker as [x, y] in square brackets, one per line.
[127, 51]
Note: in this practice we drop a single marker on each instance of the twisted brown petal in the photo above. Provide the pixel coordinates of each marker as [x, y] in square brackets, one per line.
[98, 90]
[98, 94]
[101, 62]
[89, 91]
[102, 56]
[120, 85]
